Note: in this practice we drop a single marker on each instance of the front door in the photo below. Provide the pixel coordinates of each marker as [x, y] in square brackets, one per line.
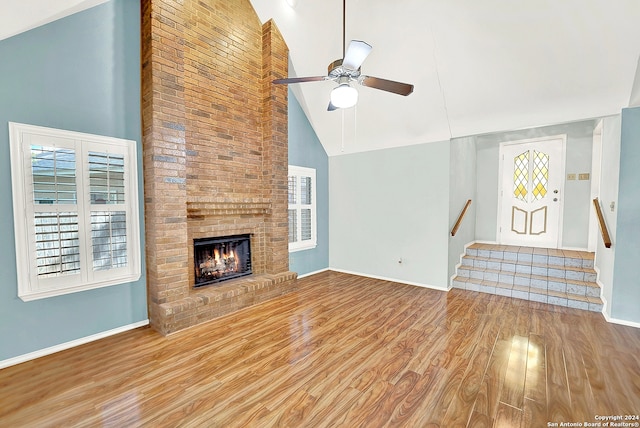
[531, 192]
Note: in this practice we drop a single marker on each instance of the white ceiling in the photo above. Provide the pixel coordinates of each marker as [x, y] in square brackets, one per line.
[17, 16]
[477, 66]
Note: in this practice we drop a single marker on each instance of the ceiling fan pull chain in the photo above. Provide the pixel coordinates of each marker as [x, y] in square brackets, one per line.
[342, 148]
[355, 124]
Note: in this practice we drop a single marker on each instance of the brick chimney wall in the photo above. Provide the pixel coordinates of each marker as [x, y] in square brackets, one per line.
[215, 153]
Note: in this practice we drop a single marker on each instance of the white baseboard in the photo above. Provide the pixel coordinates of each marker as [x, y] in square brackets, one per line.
[606, 308]
[401, 281]
[313, 273]
[67, 345]
[619, 321]
[464, 251]
[605, 304]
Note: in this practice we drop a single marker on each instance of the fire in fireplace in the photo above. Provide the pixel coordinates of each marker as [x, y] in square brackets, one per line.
[221, 258]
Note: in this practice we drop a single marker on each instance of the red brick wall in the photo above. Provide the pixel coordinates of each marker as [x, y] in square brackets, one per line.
[214, 138]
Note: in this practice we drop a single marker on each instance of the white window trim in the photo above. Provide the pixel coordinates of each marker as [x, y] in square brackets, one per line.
[29, 286]
[299, 245]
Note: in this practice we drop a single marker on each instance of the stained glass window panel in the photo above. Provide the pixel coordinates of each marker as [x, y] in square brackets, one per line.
[540, 174]
[521, 175]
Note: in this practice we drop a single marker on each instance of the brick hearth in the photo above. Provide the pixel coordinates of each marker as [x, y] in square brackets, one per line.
[215, 153]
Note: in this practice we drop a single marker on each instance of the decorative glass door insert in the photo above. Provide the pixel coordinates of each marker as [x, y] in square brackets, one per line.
[530, 192]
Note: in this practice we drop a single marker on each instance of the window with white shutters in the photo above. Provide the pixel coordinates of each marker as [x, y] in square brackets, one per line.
[75, 205]
[302, 208]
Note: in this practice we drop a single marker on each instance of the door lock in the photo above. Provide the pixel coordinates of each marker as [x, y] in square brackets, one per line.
[555, 191]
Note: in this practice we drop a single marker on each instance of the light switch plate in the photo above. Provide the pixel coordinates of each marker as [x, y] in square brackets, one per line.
[571, 176]
[584, 176]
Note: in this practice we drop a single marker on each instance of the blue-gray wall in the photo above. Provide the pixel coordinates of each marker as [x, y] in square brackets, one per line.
[80, 73]
[305, 150]
[625, 304]
[390, 205]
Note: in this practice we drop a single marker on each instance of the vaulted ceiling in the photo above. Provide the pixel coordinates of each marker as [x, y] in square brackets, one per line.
[477, 66]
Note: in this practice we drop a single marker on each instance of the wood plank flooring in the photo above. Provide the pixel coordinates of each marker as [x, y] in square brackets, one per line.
[343, 351]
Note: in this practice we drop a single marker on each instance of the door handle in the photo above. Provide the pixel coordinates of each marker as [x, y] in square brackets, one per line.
[555, 199]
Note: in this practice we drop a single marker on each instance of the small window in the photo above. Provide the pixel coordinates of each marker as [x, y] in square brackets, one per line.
[302, 208]
[75, 204]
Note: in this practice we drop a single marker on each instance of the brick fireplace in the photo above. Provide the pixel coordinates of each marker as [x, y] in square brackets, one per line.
[215, 154]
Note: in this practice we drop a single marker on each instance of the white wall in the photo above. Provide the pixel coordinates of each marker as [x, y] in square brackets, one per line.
[462, 187]
[605, 257]
[487, 158]
[388, 205]
[634, 100]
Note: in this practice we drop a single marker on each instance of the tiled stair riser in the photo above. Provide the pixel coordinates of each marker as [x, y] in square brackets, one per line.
[564, 279]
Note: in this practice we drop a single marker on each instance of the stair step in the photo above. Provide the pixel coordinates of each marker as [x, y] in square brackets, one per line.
[470, 263]
[571, 298]
[552, 257]
[558, 277]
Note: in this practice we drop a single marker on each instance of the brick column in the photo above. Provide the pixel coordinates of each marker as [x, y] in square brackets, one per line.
[275, 64]
[163, 117]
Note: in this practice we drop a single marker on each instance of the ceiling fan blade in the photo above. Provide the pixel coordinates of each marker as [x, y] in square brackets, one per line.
[300, 80]
[332, 107]
[357, 52]
[386, 85]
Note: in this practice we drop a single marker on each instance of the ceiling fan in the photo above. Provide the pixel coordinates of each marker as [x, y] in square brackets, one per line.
[346, 70]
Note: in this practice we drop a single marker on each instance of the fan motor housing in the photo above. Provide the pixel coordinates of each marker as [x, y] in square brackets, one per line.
[336, 70]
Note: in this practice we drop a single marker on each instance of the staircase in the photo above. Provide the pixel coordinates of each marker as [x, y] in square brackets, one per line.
[557, 277]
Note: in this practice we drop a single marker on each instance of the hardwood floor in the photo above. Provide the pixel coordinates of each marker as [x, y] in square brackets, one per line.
[343, 351]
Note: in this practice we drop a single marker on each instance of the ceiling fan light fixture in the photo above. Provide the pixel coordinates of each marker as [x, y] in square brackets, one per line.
[344, 96]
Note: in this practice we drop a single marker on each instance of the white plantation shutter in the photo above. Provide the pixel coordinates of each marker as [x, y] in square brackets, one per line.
[77, 222]
[302, 208]
[57, 244]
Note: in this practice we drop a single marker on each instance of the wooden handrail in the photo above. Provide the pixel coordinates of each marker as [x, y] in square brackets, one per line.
[603, 226]
[460, 217]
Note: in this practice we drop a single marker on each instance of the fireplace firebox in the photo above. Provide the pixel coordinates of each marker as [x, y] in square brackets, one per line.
[221, 258]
